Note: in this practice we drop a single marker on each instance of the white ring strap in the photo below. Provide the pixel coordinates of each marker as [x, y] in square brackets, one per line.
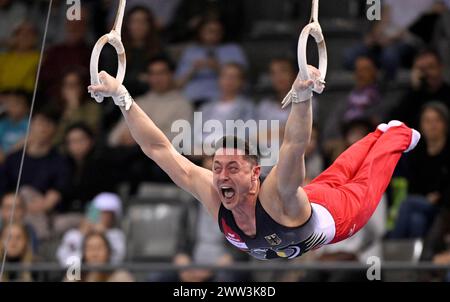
[313, 29]
[314, 11]
[115, 40]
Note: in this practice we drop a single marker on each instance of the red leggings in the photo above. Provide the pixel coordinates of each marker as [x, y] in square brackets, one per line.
[351, 188]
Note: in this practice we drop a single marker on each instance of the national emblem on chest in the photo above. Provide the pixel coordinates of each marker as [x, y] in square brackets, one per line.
[273, 239]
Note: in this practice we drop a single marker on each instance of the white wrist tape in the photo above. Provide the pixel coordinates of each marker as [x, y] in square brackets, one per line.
[297, 97]
[123, 98]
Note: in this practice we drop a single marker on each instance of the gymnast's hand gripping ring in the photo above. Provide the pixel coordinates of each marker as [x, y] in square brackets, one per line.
[113, 38]
[313, 29]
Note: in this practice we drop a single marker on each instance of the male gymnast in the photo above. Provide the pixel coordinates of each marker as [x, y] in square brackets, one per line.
[280, 218]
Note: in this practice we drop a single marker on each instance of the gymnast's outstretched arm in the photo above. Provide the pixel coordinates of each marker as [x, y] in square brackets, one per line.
[289, 174]
[155, 145]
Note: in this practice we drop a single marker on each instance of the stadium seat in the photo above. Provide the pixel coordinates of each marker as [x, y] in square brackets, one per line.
[167, 191]
[155, 220]
[408, 251]
[402, 250]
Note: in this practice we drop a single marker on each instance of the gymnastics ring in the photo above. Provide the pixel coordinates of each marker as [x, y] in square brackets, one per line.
[114, 39]
[314, 29]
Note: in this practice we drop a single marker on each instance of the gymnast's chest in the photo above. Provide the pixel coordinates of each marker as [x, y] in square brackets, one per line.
[269, 235]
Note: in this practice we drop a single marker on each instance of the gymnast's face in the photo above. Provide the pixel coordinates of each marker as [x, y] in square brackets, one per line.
[235, 178]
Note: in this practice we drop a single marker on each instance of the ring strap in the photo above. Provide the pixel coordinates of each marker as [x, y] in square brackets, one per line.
[314, 29]
[314, 11]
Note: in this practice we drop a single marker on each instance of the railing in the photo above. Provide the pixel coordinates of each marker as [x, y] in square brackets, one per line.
[241, 266]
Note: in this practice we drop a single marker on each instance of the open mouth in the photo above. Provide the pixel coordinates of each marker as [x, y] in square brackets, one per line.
[227, 192]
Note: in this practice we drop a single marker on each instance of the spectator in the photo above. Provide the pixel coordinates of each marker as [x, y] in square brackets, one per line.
[190, 14]
[428, 175]
[200, 63]
[437, 241]
[208, 249]
[96, 251]
[164, 10]
[19, 251]
[231, 104]
[443, 259]
[13, 126]
[37, 13]
[427, 23]
[74, 103]
[44, 174]
[282, 75]
[164, 103]
[390, 40]
[441, 39]
[363, 102]
[206, 246]
[19, 63]
[3, 99]
[141, 41]
[89, 164]
[104, 216]
[365, 97]
[427, 84]
[73, 52]
[351, 132]
[12, 13]
[20, 214]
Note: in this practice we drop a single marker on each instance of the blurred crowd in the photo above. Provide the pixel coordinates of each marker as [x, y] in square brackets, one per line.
[189, 56]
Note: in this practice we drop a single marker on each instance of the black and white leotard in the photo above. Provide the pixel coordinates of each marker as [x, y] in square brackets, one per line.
[273, 240]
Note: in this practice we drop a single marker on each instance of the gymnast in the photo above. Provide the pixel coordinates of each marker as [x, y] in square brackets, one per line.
[279, 218]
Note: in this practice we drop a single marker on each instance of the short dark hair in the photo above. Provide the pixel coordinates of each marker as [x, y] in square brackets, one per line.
[429, 52]
[287, 60]
[206, 19]
[356, 123]
[376, 63]
[238, 67]
[80, 126]
[163, 59]
[22, 94]
[49, 113]
[250, 154]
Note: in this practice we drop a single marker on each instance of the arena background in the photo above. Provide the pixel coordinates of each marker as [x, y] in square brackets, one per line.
[89, 196]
